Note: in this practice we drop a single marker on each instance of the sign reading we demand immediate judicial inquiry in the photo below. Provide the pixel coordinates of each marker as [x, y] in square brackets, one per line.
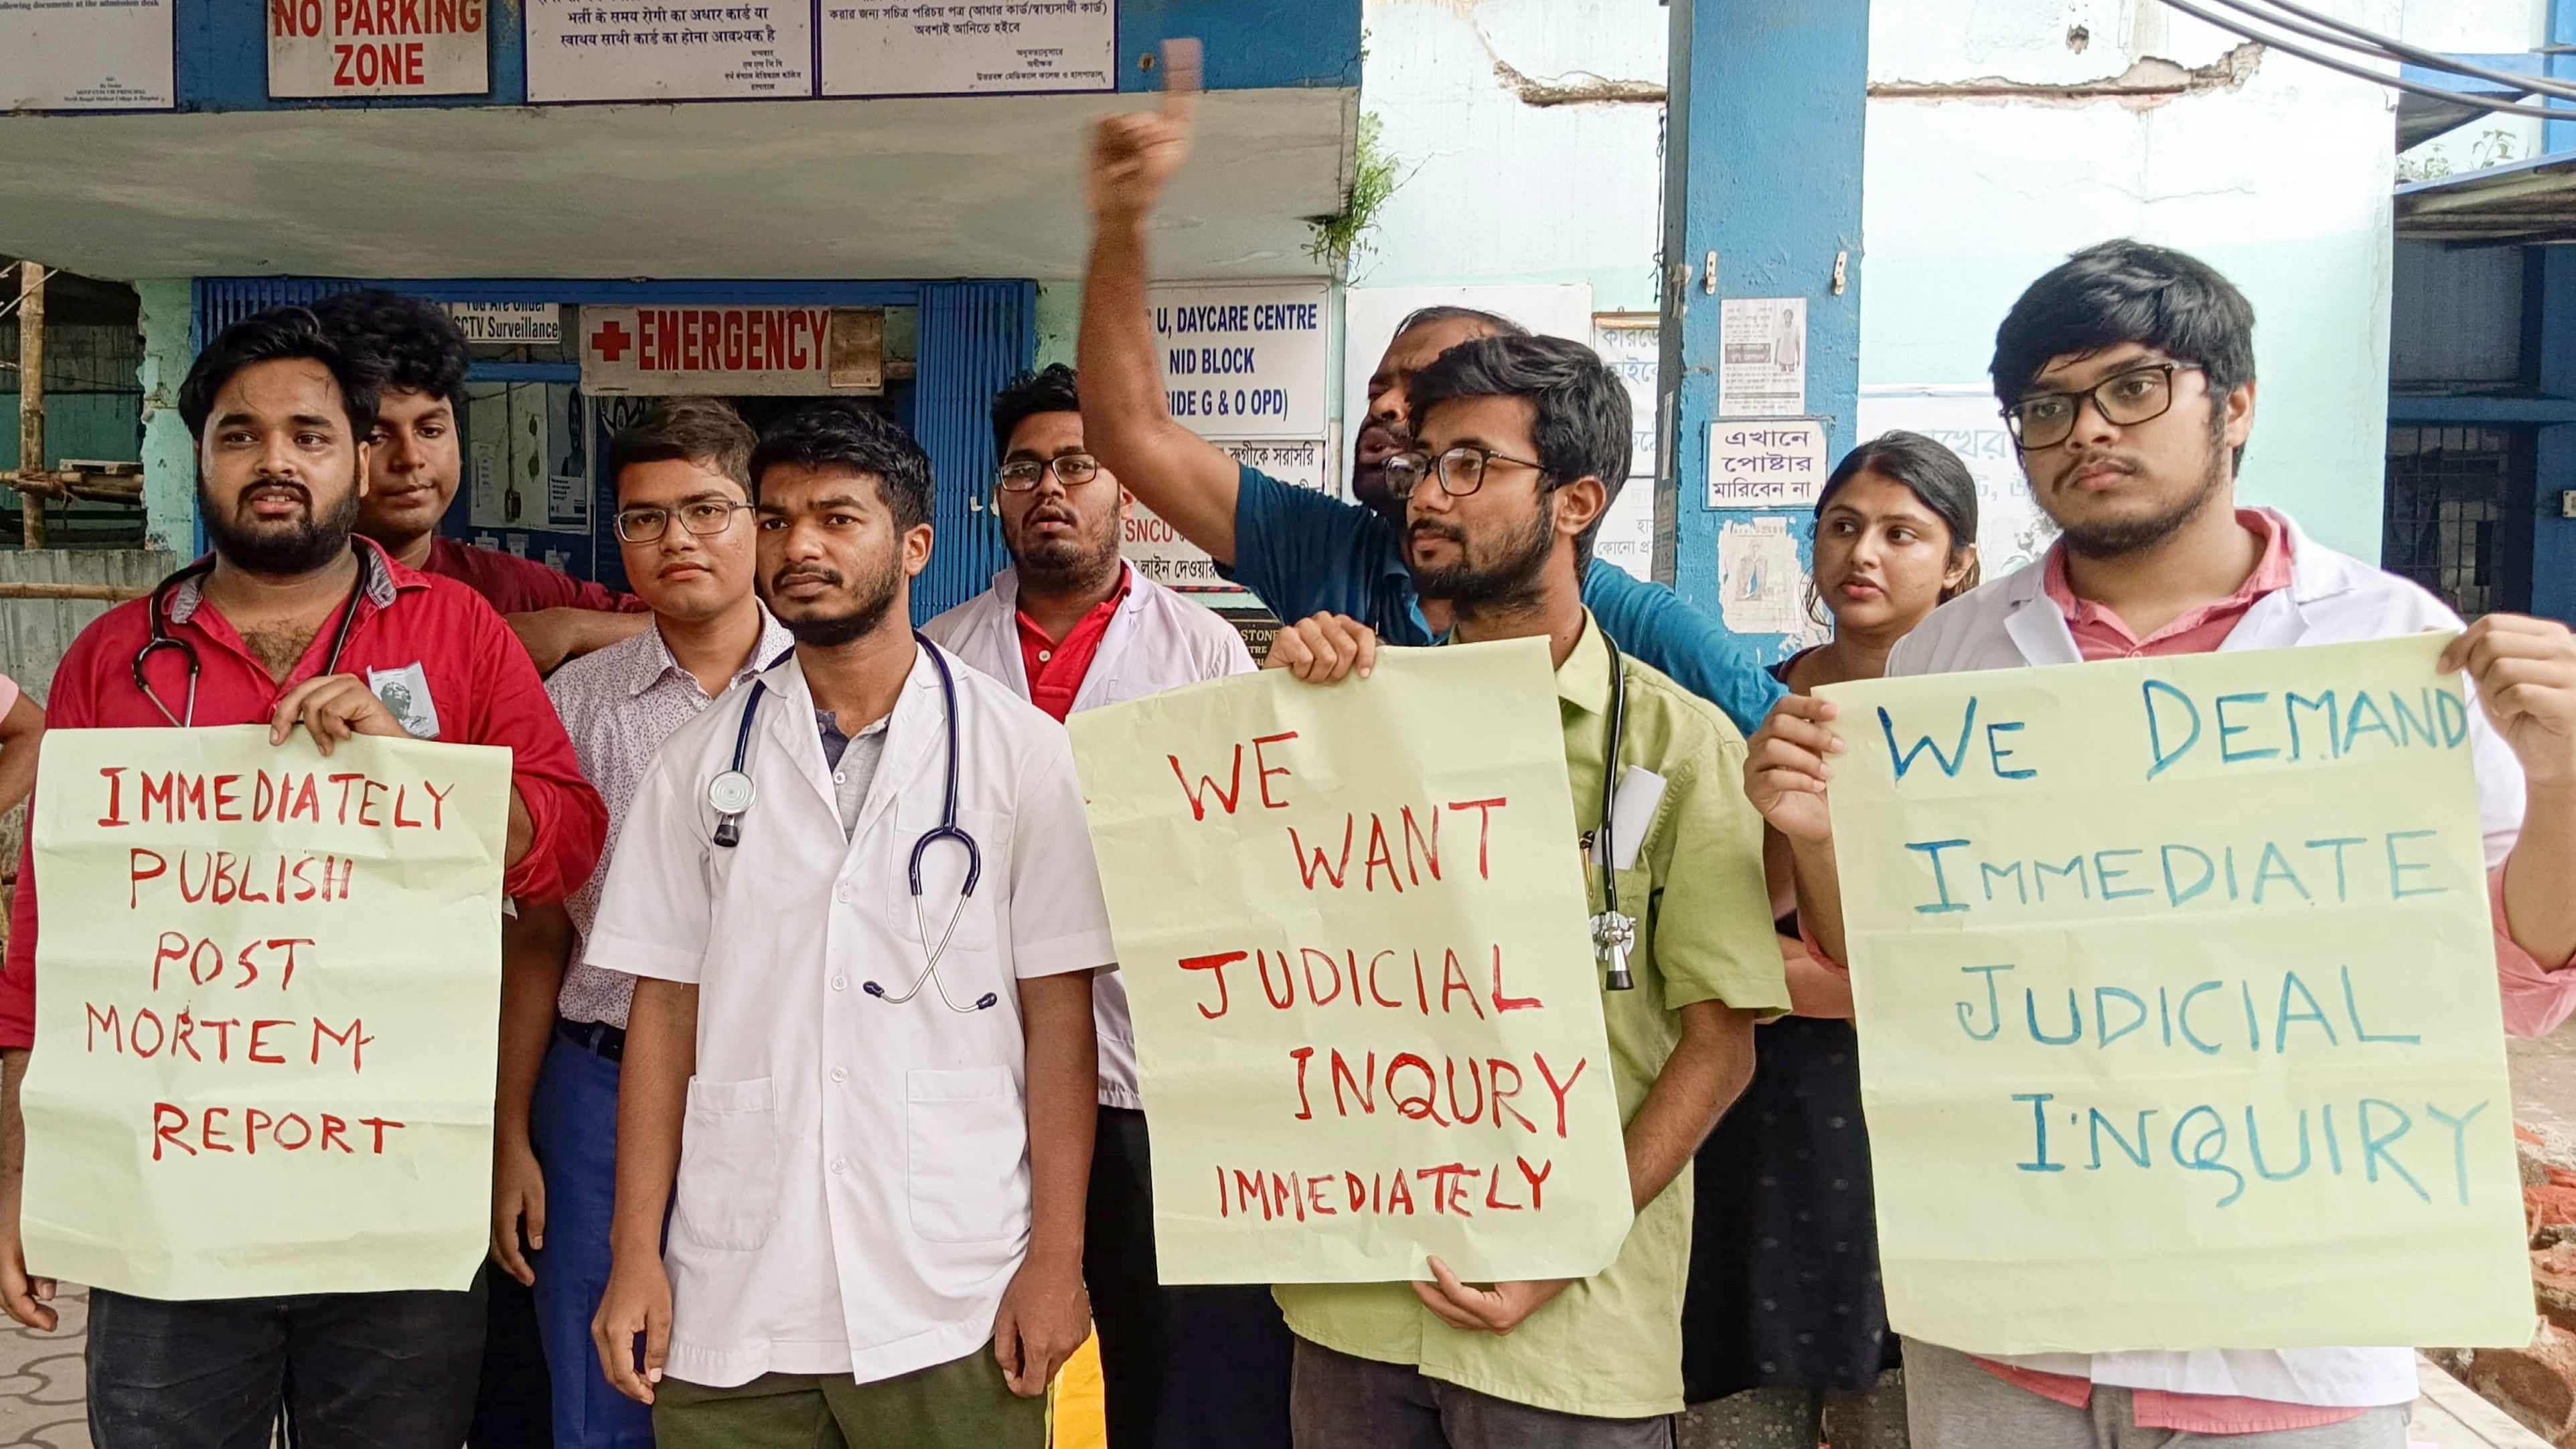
[2178, 1007]
[266, 988]
[1353, 936]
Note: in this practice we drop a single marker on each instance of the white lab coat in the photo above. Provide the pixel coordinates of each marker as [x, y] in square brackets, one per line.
[1158, 640]
[2332, 599]
[853, 1191]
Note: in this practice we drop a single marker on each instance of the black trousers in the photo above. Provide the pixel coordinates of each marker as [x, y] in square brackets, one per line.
[514, 1404]
[352, 1370]
[1202, 1367]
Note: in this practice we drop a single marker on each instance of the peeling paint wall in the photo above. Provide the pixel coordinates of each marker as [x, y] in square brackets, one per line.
[2274, 170]
[1529, 133]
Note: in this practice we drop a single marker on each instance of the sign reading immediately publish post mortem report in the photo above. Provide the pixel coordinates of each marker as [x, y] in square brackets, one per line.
[1353, 935]
[266, 988]
[2177, 1000]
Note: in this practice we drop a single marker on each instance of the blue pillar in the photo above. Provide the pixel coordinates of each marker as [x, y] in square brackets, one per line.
[2553, 537]
[1762, 199]
[2557, 136]
[975, 337]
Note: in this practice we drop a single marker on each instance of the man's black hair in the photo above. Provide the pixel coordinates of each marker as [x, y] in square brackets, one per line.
[2128, 291]
[686, 430]
[1494, 323]
[280, 334]
[844, 435]
[1585, 420]
[1048, 390]
[418, 346]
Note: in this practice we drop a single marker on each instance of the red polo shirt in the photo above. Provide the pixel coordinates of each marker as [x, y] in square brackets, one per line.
[1057, 667]
[481, 691]
[516, 585]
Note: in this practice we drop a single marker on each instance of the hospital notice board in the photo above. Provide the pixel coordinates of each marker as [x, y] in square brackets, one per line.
[1351, 924]
[2178, 1008]
[264, 1023]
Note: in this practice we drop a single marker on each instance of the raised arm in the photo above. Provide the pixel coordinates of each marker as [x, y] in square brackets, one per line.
[1182, 477]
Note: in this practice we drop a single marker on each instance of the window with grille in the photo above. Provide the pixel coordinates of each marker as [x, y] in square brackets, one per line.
[2459, 515]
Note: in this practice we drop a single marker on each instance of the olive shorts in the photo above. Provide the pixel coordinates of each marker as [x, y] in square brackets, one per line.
[961, 1404]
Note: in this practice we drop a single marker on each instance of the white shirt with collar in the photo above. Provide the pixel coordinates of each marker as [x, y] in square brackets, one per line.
[1158, 640]
[853, 1190]
[2332, 599]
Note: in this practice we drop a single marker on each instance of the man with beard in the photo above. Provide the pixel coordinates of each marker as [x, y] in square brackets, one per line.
[860, 900]
[1522, 445]
[294, 625]
[1070, 626]
[1301, 551]
[2127, 377]
[416, 467]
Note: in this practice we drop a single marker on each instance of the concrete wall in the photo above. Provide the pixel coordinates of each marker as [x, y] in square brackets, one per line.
[1529, 135]
[2275, 171]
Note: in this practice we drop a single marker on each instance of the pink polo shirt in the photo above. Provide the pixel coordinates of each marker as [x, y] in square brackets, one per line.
[2100, 634]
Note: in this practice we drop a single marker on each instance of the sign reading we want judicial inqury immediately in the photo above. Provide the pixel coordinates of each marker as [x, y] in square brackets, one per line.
[267, 982]
[2177, 1000]
[1352, 931]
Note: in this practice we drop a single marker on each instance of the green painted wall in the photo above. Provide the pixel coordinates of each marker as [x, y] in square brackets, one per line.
[169, 457]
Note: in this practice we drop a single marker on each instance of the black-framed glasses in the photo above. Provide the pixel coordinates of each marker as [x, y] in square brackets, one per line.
[707, 515]
[1461, 470]
[2125, 399]
[1022, 474]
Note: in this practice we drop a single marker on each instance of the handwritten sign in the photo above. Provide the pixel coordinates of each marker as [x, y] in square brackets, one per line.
[2178, 1007]
[265, 1026]
[626, 50]
[1777, 463]
[933, 47]
[1353, 935]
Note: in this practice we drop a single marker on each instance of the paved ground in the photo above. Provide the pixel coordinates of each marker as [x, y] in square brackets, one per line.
[40, 1374]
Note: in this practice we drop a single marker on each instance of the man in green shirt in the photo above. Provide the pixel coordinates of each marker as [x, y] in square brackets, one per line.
[1521, 444]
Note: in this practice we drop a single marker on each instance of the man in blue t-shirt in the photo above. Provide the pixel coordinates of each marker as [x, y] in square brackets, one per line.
[1305, 553]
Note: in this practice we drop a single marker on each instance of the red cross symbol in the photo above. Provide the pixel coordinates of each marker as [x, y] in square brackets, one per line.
[610, 341]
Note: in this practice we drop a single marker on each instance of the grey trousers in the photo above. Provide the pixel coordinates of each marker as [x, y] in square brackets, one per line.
[1953, 1404]
[1336, 1401]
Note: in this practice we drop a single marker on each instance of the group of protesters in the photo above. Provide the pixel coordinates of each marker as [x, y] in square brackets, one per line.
[789, 1152]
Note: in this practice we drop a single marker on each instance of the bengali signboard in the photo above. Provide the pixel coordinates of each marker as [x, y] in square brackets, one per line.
[1769, 463]
[961, 47]
[1160, 553]
[2178, 1008]
[1353, 937]
[264, 1034]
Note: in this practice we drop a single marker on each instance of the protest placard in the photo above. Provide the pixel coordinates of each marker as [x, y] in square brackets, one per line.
[2177, 1001]
[268, 989]
[1351, 921]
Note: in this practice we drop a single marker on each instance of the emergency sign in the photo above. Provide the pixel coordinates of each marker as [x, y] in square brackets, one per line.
[733, 351]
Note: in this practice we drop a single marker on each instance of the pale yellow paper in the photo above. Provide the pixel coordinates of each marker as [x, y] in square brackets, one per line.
[1987, 1250]
[1428, 729]
[412, 952]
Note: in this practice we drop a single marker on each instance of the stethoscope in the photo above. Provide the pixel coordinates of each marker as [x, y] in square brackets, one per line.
[1614, 933]
[161, 638]
[732, 793]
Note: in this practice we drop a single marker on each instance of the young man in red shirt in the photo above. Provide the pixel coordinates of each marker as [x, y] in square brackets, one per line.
[415, 467]
[295, 624]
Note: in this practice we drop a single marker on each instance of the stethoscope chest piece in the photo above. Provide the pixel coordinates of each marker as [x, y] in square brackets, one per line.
[731, 793]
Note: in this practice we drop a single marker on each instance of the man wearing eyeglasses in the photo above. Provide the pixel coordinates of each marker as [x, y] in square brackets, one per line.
[2127, 377]
[1070, 626]
[683, 477]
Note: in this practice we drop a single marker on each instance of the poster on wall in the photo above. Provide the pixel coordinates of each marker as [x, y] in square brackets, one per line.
[1963, 417]
[1243, 361]
[417, 48]
[1762, 357]
[1632, 344]
[78, 55]
[1766, 463]
[622, 50]
[988, 47]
